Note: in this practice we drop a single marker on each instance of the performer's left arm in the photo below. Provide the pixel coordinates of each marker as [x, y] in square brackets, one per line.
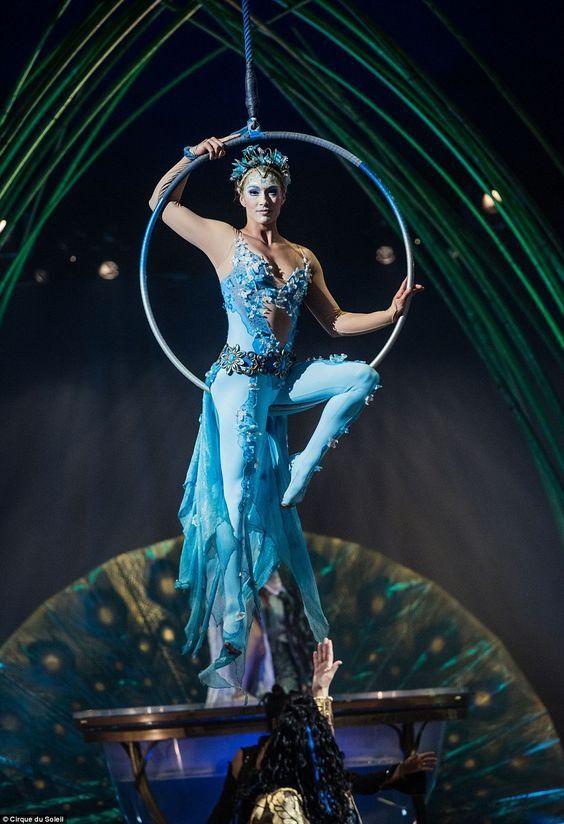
[407, 777]
[339, 323]
[324, 670]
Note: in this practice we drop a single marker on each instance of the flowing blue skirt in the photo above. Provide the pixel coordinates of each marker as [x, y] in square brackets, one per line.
[272, 535]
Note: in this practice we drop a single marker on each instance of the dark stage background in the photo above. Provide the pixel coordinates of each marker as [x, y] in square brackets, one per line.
[97, 427]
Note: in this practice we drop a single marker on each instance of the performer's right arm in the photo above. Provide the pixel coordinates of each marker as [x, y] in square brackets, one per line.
[166, 180]
[213, 237]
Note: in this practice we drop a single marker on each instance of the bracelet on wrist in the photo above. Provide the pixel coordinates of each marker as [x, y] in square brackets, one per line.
[324, 705]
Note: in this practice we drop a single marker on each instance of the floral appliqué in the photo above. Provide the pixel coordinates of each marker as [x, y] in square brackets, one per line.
[251, 287]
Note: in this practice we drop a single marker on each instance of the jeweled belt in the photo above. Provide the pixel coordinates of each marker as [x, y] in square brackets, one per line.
[234, 359]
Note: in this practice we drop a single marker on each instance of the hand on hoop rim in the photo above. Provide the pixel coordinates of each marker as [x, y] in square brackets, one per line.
[213, 146]
[401, 297]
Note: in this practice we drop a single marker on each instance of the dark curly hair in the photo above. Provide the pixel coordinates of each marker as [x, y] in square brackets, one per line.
[274, 704]
[303, 754]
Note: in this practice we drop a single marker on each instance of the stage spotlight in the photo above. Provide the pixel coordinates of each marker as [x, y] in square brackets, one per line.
[385, 255]
[417, 241]
[106, 615]
[482, 698]
[489, 201]
[108, 270]
[40, 276]
[51, 662]
[73, 259]
[518, 762]
[167, 634]
[3, 224]
[437, 645]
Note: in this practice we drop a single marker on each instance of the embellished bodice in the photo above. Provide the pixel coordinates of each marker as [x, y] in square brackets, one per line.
[252, 299]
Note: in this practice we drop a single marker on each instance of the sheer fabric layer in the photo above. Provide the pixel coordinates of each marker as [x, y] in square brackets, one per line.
[270, 535]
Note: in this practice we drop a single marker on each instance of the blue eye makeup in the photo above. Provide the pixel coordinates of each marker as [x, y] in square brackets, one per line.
[272, 191]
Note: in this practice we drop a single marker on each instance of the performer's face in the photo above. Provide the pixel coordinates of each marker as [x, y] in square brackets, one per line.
[262, 196]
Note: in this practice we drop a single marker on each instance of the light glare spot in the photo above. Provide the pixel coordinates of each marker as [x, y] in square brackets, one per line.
[482, 698]
[385, 255]
[108, 270]
[41, 276]
[489, 201]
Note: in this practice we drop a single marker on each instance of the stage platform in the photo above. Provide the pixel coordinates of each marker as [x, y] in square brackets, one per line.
[165, 760]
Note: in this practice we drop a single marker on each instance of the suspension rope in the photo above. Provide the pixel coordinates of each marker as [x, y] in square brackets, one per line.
[251, 88]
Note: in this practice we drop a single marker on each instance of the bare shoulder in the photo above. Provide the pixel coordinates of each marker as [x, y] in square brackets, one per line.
[213, 237]
[311, 257]
[220, 229]
[220, 243]
[179, 217]
[313, 260]
[222, 226]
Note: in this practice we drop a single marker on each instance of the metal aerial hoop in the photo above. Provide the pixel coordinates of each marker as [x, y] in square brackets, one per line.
[252, 133]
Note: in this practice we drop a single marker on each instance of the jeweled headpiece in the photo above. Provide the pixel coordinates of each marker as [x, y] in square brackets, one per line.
[254, 157]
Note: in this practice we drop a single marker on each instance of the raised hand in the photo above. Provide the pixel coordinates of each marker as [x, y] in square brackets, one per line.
[213, 146]
[401, 297]
[324, 668]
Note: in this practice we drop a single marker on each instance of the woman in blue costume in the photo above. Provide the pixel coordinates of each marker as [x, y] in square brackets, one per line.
[238, 511]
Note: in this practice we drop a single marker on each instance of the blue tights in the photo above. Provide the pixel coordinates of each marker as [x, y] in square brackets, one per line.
[343, 386]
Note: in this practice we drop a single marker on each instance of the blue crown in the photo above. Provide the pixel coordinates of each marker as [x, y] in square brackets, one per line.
[255, 156]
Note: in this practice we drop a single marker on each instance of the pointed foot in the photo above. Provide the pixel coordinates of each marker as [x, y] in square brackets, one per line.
[299, 481]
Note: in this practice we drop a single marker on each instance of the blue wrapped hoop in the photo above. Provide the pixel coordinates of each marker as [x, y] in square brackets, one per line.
[252, 137]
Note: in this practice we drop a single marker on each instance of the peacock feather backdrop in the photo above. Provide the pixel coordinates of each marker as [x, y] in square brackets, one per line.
[113, 639]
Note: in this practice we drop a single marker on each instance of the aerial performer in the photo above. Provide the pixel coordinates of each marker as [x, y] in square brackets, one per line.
[239, 508]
